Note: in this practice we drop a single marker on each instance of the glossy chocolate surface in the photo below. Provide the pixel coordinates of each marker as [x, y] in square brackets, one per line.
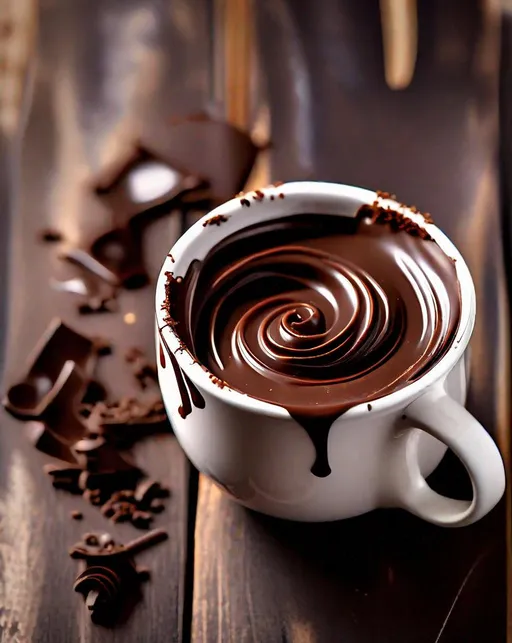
[318, 313]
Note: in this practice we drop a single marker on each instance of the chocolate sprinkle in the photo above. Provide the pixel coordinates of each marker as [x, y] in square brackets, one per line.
[215, 220]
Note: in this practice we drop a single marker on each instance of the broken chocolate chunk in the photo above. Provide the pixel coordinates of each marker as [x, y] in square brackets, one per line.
[46, 373]
[144, 371]
[137, 190]
[197, 142]
[98, 295]
[129, 420]
[143, 180]
[109, 580]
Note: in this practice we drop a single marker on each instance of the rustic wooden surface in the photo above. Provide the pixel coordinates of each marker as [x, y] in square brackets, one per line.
[65, 144]
[383, 577]
[36, 598]
[225, 574]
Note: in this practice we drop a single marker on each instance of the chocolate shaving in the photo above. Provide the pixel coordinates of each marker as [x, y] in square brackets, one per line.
[29, 398]
[110, 580]
[195, 143]
[98, 295]
[115, 254]
[128, 420]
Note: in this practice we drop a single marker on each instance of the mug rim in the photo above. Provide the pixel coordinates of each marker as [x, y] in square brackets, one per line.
[315, 197]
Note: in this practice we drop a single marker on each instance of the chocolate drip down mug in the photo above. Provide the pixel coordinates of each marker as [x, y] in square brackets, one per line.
[376, 453]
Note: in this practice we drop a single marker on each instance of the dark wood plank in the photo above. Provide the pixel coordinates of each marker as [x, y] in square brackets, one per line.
[386, 576]
[382, 577]
[103, 69]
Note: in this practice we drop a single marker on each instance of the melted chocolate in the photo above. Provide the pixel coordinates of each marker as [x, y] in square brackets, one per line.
[189, 393]
[318, 313]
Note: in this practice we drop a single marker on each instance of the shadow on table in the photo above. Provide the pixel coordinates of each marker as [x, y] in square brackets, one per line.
[388, 576]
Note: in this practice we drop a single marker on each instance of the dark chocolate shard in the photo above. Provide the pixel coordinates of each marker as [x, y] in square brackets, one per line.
[142, 181]
[61, 403]
[30, 396]
[138, 189]
[197, 142]
[144, 370]
[96, 455]
[64, 477]
[129, 420]
[110, 581]
[47, 442]
[98, 295]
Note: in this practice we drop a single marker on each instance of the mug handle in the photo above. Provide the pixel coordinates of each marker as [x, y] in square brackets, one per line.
[442, 417]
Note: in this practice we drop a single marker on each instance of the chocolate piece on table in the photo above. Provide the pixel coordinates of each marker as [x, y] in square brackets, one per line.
[130, 419]
[98, 296]
[142, 181]
[110, 581]
[96, 455]
[44, 440]
[197, 142]
[148, 490]
[30, 396]
[140, 188]
[64, 477]
[144, 371]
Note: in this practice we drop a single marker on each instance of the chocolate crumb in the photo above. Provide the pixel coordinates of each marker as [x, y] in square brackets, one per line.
[281, 195]
[272, 197]
[50, 235]
[258, 195]
[215, 220]
[76, 515]
[245, 202]
[394, 219]
[369, 407]
[171, 258]
[216, 380]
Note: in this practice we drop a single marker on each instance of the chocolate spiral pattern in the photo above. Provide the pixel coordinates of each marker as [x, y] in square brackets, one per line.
[327, 321]
[319, 314]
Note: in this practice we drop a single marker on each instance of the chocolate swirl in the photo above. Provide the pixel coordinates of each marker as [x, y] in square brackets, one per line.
[318, 314]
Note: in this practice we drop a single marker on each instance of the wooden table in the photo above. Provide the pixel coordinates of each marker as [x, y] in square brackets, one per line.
[225, 574]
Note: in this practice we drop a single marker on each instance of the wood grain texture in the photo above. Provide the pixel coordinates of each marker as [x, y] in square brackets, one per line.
[385, 577]
[103, 68]
[36, 598]
[382, 577]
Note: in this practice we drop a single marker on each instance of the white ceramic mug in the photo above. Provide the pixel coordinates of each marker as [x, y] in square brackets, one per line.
[379, 457]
